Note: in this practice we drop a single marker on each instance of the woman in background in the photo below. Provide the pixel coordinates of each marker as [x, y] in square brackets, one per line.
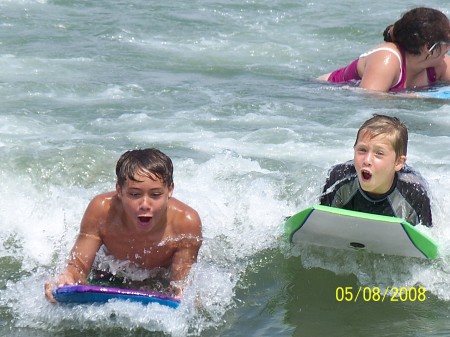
[413, 55]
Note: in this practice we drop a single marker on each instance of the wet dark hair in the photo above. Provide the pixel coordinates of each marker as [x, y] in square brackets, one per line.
[146, 162]
[418, 27]
[391, 127]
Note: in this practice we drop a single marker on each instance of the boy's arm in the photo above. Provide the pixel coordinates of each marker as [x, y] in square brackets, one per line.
[326, 196]
[338, 176]
[424, 207]
[83, 253]
[329, 188]
[186, 253]
[417, 195]
[426, 216]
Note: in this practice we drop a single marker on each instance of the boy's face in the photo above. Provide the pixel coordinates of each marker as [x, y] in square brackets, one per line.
[145, 202]
[376, 163]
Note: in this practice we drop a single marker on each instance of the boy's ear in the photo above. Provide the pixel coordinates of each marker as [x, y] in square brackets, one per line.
[118, 190]
[171, 187]
[400, 162]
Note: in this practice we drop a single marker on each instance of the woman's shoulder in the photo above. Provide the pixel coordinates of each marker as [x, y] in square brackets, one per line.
[386, 47]
[443, 70]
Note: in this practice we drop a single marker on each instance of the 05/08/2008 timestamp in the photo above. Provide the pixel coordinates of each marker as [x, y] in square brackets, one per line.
[376, 294]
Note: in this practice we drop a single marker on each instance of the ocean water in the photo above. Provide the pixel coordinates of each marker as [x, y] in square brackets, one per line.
[227, 89]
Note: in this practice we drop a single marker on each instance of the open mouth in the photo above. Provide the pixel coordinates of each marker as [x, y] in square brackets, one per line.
[144, 219]
[366, 175]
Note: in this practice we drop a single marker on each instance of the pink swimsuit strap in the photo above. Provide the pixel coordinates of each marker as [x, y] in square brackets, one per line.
[402, 80]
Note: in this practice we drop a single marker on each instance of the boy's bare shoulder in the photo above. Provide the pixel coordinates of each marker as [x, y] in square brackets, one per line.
[103, 200]
[100, 206]
[184, 218]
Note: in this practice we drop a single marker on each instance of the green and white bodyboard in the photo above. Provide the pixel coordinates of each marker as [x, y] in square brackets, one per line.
[344, 229]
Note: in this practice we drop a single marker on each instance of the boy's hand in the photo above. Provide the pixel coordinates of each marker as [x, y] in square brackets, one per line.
[63, 279]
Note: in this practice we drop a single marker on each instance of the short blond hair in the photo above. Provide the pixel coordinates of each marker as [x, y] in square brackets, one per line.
[391, 127]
